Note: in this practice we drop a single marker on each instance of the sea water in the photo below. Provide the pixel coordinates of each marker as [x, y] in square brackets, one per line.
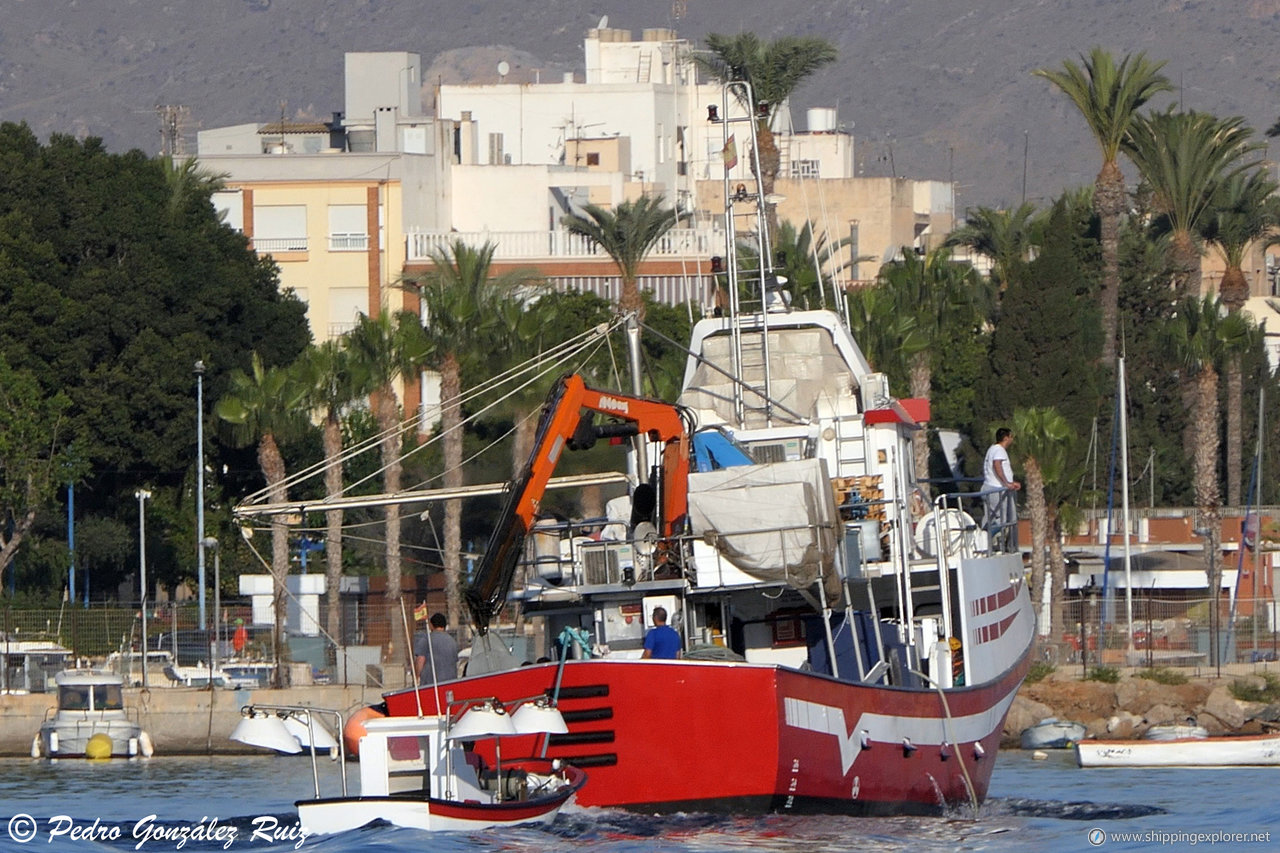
[246, 803]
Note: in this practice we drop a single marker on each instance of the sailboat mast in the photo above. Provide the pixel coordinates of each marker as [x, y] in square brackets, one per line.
[1124, 502]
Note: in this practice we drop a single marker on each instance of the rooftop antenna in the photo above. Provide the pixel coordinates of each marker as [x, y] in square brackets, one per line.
[503, 68]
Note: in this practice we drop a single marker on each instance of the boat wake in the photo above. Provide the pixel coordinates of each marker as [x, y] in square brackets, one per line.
[1024, 807]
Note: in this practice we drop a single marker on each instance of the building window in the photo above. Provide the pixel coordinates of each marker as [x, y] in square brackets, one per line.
[495, 149]
[348, 228]
[280, 228]
[804, 169]
[593, 158]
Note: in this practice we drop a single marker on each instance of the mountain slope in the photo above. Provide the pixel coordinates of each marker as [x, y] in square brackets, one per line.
[932, 89]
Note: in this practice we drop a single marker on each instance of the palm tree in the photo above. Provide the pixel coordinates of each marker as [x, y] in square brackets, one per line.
[1185, 157]
[1109, 97]
[189, 181]
[1244, 211]
[933, 291]
[388, 348]
[268, 407]
[1200, 336]
[466, 322]
[775, 70]
[1005, 237]
[1044, 437]
[807, 261]
[334, 379]
[627, 234]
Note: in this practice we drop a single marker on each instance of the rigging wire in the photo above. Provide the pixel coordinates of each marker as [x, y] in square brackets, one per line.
[561, 353]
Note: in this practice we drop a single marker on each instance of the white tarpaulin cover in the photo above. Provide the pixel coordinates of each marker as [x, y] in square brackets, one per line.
[776, 521]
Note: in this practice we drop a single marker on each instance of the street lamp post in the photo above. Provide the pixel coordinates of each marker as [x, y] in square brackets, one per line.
[142, 495]
[211, 544]
[199, 370]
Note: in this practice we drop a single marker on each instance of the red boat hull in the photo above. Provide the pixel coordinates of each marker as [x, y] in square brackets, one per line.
[667, 736]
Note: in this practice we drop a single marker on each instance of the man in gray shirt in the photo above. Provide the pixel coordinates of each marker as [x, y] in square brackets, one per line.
[435, 646]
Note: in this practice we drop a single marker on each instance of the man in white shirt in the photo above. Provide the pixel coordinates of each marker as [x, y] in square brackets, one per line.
[997, 479]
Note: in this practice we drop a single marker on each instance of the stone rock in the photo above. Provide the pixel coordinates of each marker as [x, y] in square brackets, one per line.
[1096, 727]
[1269, 714]
[1123, 724]
[1133, 694]
[1211, 724]
[1023, 714]
[1222, 705]
[1158, 715]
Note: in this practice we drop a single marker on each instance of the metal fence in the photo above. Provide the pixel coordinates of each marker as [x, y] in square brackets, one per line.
[35, 644]
[1166, 632]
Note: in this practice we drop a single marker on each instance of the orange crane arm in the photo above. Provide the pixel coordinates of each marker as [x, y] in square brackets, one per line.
[563, 424]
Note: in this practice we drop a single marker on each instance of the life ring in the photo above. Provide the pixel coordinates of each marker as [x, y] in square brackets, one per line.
[354, 728]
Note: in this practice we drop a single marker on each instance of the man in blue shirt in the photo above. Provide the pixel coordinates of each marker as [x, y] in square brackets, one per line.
[662, 641]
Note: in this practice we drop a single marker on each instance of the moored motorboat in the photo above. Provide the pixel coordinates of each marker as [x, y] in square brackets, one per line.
[1230, 751]
[1052, 733]
[91, 720]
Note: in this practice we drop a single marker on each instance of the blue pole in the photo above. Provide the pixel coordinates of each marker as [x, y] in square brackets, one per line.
[71, 542]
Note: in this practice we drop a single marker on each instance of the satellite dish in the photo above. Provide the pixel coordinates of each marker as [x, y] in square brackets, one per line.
[604, 22]
[503, 68]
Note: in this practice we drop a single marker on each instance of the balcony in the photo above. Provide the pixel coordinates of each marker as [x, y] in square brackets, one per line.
[348, 242]
[560, 245]
[274, 245]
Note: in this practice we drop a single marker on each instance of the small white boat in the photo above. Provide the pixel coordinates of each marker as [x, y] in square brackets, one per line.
[1235, 751]
[90, 720]
[1183, 731]
[421, 772]
[1052, 733]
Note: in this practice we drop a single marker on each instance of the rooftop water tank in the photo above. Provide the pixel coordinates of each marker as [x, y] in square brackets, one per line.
[822, 119]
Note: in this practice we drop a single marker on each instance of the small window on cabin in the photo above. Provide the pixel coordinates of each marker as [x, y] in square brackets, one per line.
[108, 697]
[593, 158]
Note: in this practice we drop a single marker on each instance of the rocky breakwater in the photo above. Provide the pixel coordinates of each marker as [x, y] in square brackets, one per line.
[1133, 704]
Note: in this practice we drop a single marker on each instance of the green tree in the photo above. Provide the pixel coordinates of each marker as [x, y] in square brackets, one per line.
[774, 69]
[466, 322]
[1005, 237]
[627, 234]
[933, 291]
[1108, 97]
[387, 349]
[1244, 211]
[35, 456]
[266, 407]
[1046, 338]
[1043, 443]
[334, 379]
[113, 289]
[1200, 337]
[1185, 157]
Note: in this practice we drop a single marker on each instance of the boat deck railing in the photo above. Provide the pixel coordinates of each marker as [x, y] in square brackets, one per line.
[975, 523]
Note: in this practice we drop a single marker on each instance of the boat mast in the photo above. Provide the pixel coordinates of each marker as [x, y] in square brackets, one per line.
[1124, 502]
[744, 95]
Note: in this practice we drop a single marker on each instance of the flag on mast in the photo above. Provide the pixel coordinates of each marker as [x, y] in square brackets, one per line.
[730, 153]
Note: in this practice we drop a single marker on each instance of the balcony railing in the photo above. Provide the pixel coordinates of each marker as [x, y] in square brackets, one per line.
[279, 244]
[348, 242]
[534, 245]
